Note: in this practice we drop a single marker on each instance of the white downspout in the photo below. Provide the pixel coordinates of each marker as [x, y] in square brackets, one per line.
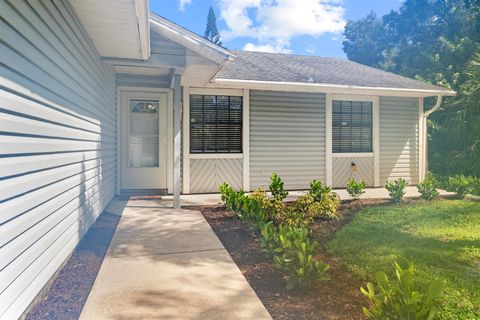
[424, 136]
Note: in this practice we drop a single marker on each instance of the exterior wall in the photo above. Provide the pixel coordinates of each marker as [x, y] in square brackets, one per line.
[57, 144]
[342, 171]
[287, 136]
[399, 151]
[207, 174]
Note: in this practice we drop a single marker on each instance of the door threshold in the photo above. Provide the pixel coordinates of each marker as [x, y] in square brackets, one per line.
[143, 192]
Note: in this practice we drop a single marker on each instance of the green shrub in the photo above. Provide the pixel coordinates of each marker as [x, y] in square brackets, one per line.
[251, 210]
[399, 299]
[294, 257]
[231, 199]
[326, 208]
[277, 187]
[461, 185]
[318, 190]
[355, 189]
[396, 189]
[427, 188]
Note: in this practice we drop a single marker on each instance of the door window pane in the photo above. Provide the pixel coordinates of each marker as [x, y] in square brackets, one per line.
[143, 136]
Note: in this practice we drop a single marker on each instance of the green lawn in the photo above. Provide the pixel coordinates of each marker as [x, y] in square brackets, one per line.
[441, 237]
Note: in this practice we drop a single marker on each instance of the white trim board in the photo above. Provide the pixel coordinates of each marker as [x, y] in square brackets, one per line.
[328, 88]
[120, 90]
[216, 156]
[216, 91]
[329, 155]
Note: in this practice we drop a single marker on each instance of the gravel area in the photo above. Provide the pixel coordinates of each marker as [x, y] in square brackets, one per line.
[69, 291]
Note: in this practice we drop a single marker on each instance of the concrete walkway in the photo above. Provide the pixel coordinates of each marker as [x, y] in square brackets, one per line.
[164, 263]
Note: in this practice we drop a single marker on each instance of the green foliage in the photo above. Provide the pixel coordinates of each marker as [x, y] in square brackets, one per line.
[284, 229]
[396, 189]
[318, 190]
[277, 187]
[461, 185]
[231, 198]
[437, 42]
[326, 207]
[293, 253]
[211, 31]
[355, 189]
[441, 237]
[399, 299]
[427, 188]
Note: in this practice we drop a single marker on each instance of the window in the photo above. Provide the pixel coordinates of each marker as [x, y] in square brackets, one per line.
[352, 126]
[143, 137]
[215, 124]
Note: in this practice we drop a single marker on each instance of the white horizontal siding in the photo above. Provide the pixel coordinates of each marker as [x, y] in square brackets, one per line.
[399, 156]
[287, 136]
[57, 144]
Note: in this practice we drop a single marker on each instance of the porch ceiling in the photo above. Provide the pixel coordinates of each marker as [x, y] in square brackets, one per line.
[119, 29]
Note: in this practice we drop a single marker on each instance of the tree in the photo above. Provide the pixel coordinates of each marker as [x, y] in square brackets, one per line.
[211, 31]
[433, 41]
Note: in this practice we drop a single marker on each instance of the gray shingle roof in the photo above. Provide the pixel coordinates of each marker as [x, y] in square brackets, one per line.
[278, 67]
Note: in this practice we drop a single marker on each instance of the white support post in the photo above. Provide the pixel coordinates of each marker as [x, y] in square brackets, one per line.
[186, 140]
[328, 140]
[177, 136]
[421, 145]
[376, 141]
[246, 140]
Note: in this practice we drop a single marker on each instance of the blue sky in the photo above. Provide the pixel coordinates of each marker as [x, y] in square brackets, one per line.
[312, 27]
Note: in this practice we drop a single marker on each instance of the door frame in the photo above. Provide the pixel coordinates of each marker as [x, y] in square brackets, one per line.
[169, 144]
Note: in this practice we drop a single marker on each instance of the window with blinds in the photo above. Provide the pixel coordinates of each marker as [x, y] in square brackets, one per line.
[215, 124]
[352, 126]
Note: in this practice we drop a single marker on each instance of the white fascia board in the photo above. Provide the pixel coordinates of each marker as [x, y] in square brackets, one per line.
[328, 88]
[142, 12]
[191, 40]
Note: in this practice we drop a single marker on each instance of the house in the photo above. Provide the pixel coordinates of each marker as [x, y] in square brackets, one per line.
[99, 98]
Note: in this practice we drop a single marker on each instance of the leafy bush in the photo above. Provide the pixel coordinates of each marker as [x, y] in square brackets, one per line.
[427, 188]
[325, 208]
[399, 299]
[318, 190]
[355, 189]
[294, 256]
[461, 185]
[396, 189]
[277, 187]
[231, 198]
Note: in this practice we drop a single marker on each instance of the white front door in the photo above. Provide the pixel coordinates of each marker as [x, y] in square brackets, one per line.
[143, 139]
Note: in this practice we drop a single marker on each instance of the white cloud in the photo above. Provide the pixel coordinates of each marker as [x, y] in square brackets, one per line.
[273, 47]
[274, 22]
[182, 4]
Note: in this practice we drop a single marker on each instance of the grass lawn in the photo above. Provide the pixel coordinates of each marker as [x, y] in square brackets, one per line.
[441, 237]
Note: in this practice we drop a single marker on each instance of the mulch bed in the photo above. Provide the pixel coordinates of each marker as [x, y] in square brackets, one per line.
[69, 291]
[337, 298]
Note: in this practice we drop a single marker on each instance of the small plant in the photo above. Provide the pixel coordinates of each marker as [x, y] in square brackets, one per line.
[399, 299]
[396, 189]
[277, 187]
[461, 185]
[295, 258]
[355, 189]
[327, 207]
[318, 190]
[231, 198]
[427, 188]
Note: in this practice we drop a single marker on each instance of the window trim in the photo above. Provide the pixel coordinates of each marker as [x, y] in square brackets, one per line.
[215, 94]
[375, 99]
[356, 99]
